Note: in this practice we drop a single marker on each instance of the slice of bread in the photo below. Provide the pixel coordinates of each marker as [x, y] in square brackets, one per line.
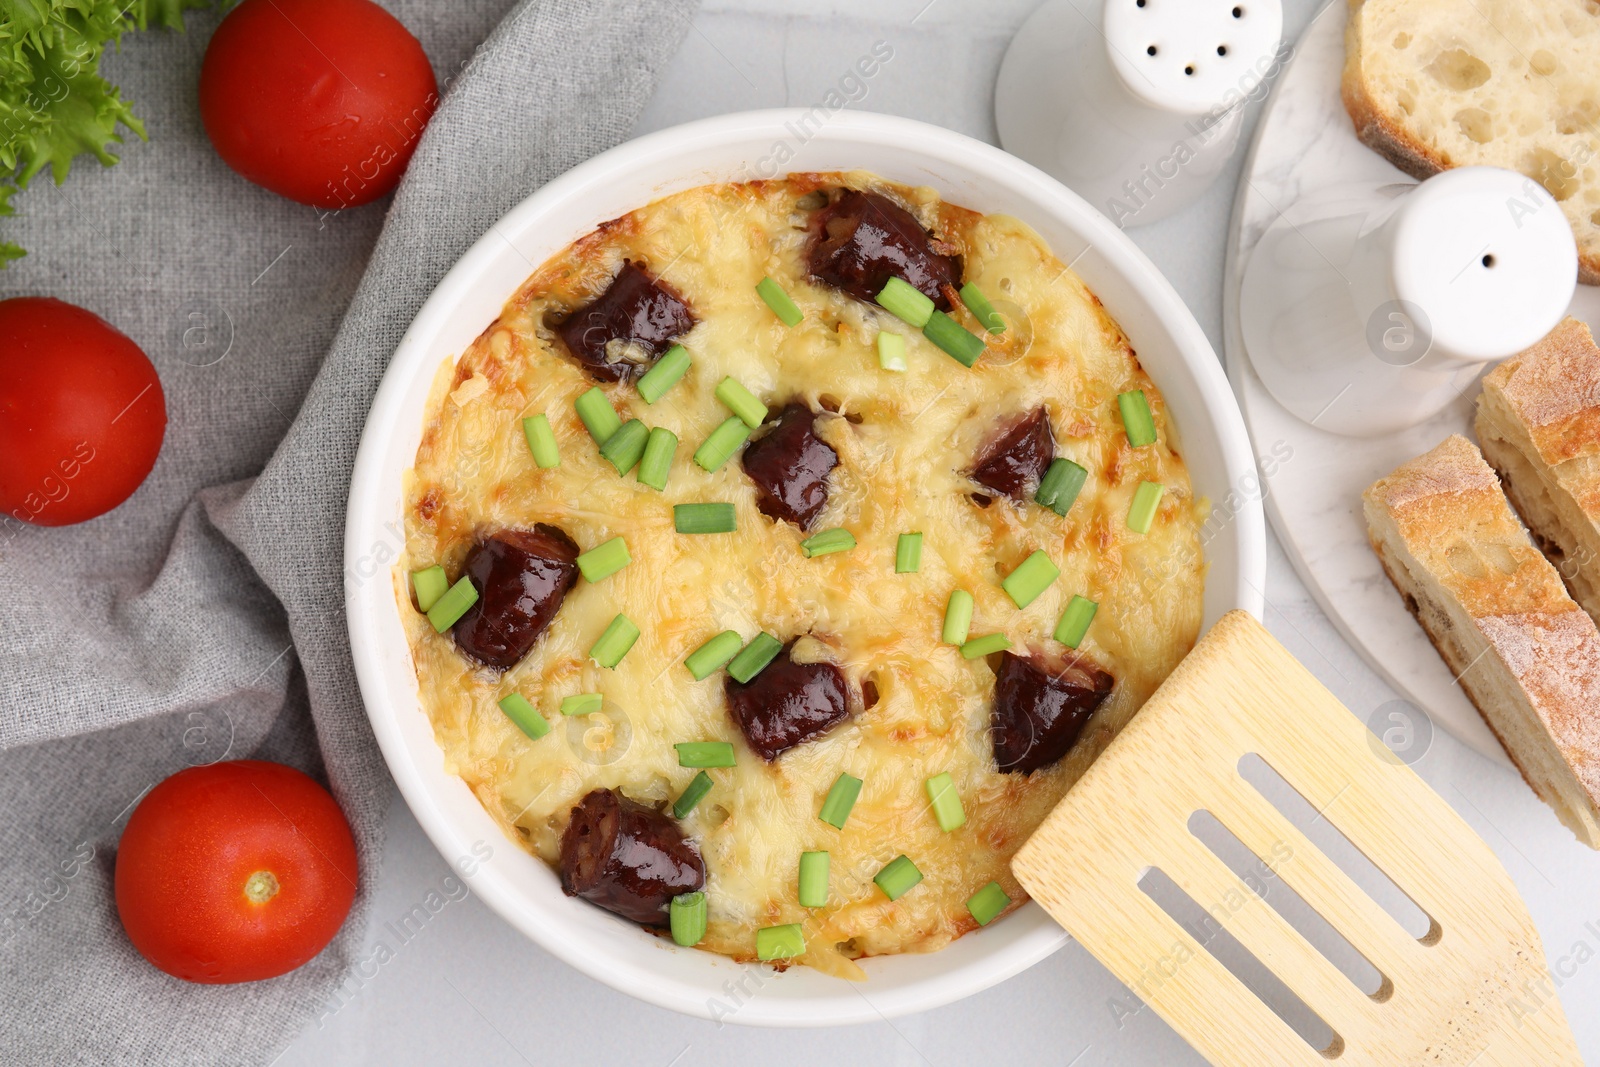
[1539, 425]
[1434, 84]
[1497, 612]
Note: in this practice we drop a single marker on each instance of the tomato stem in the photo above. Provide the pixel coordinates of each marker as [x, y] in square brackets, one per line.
[261, 887]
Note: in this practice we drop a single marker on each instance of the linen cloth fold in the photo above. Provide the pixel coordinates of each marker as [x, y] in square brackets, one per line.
[204, 619]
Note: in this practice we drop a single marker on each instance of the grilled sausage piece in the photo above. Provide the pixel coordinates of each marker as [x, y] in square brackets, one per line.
[1039, 713]
[634, 308]
[790, 467]
[627, 858]
[861, 240]
[1013, 462]
[788, 703]
[521, 577]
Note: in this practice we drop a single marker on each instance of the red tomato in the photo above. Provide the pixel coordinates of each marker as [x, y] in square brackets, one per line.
[321, 101]
[234, 872]
[82, 413]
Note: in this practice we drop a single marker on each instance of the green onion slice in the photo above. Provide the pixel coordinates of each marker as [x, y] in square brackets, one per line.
[598, 416]
[724, 441]
[742, 402]
[962, 344]
[762, 650]
[840, 799]
[779, 301]
[692, 795]
[908, 553]
[656, 463]
[582, 704]
[604, 559]
[714, 654]
[906, 302]
[430, 584]
[1146, 499]
[525, 715]
[1032, 577]
[981, 309]
[665, 374]
[827, 542]
[780, 942]
[449, 608]
[704, 518]
[946, 802]
[687, 915]
[987, 903]
[891, 351]
[615, 642]
[979, 647]
[541, 441]
[625, 448]
[1075, 621]
[957, 618]
[1060, 486]
[1137, 421]
[898, 877]
[704, 753]
[813, 879]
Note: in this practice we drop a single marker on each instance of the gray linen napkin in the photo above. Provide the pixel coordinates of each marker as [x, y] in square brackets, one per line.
[204, 618]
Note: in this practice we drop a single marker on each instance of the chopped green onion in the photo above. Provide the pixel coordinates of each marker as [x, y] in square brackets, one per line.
[780, 942]
[604, 559]
[891, 351]
[713, 655]
[430, 584]
[957, 618]
[625, 448]
[541, 441]
[1075, 621]
[723, 443]
[828, 541]
[454, 604]
[742, 402]
[946, 802]
[780, 303]
[1060, 486]
[582, 704]
[761, 650]
[908, 553]
[687, 914]
[906, 302]
[692, 795]
[813, 879]
[1136, 418]
[898, 877]
[704, 518]
[615, 642]
[979, 647]
[525, 715]
[1032, 577]
[704, 753]
[598, 416]
[963, 345]
[664, 375]
[987, 903]
[656, 463]
[840, 799]
[981, 309]
[1146, 499]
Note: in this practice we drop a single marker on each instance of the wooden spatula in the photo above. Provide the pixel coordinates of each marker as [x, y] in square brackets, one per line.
[1473, 991]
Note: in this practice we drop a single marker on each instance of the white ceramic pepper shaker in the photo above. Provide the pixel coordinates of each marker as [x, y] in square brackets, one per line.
[1136, 104]
[1369, 309]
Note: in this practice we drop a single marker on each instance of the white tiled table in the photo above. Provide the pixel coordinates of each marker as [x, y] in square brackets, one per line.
[465, 988]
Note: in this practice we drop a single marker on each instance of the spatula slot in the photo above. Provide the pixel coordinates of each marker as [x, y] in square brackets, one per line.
[1264, 877]
[1319, 827]
[1215, 939]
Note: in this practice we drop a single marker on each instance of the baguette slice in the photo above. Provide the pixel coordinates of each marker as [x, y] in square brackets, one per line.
[1497, 612]
[1539, 425]
[1434, 84]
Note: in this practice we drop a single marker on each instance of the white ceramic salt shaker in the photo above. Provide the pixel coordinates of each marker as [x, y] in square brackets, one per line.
[1369, 309]
[1135, 104]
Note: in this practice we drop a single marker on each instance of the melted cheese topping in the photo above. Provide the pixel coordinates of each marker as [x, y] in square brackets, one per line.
[904, 441]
